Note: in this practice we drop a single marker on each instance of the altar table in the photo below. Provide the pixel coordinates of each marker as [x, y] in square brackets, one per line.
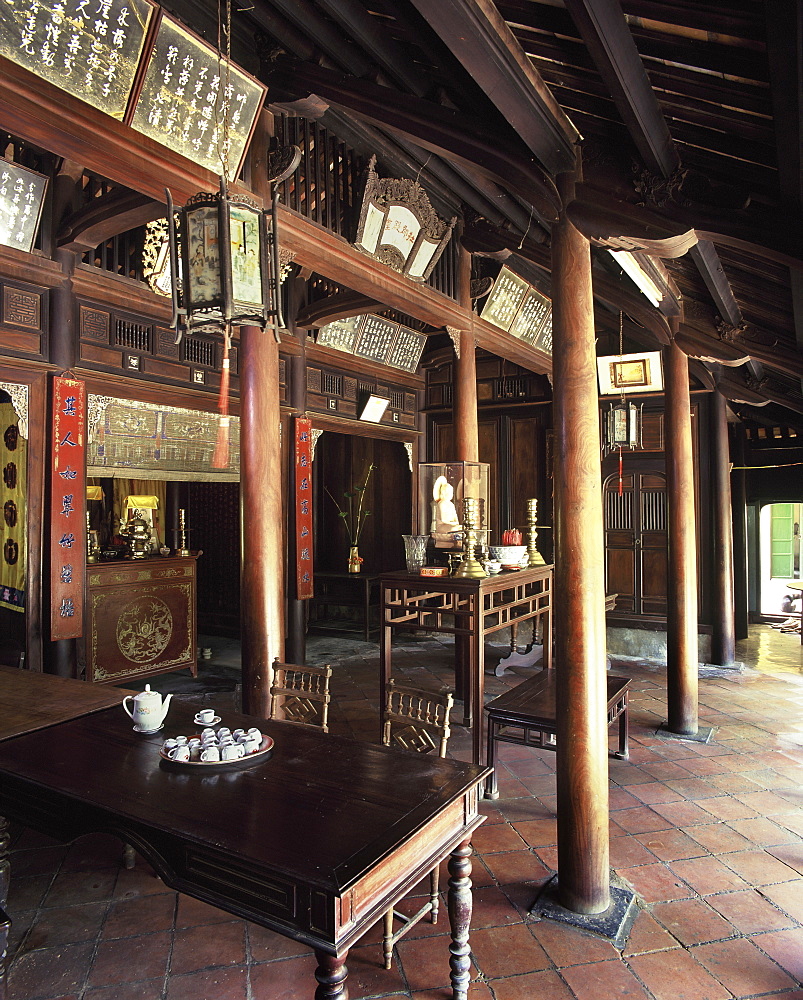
[470, 610]
[315, 843]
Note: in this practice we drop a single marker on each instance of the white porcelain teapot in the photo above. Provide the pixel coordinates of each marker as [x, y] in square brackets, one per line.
[149, 710]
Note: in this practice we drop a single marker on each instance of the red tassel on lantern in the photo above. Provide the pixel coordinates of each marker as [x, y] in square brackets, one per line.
[220, 458]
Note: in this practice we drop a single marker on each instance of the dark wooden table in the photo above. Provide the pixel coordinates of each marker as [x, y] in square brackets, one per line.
[315, 843]
[470, 610]
[526, 715]
[332, 590]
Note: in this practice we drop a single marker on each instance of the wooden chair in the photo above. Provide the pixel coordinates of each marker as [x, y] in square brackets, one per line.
[301, 694]
[418, 721]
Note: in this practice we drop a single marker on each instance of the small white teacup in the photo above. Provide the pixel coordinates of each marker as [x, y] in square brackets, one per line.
[182, 740]
[205, 715]
[254, 734]
[252, 745]
[234, 751]
[210, 755]
[180, 753]
[207, 732]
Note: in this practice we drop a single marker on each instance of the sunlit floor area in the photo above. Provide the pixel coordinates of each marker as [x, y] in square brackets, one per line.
[710, 837]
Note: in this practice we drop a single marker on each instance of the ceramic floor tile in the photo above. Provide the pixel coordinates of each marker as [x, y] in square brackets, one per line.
[150, 989]
[764, 832]
[647, 935]
[65, 925]
[567, 945]
[492, 840]
[671, 845]
[707, 875]
[759, 868]
[604, 979]
[656, 883]
[538, 832]
[749, 911]
[640, 820]
[114, 960]
[225, 984]
[201, 947]
[717, 838]
[786, 948]
[788, 896]
[425, 963]
[742, 968]
[692, 921]
[501, 952]
[674, 975]
[49, 972]
[531, 986]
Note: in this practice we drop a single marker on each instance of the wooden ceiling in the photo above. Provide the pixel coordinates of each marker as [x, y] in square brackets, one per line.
[689, 117]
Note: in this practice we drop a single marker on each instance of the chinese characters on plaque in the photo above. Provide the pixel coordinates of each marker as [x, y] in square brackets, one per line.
[22, 193]
[303, 490]
[67, 508]
[196, 102]
[514, 305]
[90, 48]
[186, 95]
[375, 337]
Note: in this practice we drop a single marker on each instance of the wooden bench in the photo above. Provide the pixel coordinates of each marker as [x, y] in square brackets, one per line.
[525, 715]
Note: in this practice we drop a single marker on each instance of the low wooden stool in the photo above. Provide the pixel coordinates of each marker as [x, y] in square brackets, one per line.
[525, 715]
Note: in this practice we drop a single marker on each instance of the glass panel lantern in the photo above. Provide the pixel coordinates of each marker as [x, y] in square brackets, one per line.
[623, 426]
[225, 261]
[441, 488]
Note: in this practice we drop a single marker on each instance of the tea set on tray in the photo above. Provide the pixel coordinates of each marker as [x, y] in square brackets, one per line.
[210, 748]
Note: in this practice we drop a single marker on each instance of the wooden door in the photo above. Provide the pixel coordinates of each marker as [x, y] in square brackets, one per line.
[636, 542]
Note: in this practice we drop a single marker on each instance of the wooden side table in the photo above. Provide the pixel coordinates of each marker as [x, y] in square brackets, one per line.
[469, 610]
[525, 715]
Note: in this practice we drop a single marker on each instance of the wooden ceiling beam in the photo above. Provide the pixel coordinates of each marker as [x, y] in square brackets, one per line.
[481, 41]
[444, 131]
[606, 33]
[115, 212]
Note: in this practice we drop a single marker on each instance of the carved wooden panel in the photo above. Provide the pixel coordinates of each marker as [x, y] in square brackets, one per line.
[22, 307]
[314, 379]
[166, 345]
[141, 618]
[94, 324]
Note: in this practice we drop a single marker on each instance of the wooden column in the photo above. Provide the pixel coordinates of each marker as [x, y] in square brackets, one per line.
[682, 647]
[466, 433]
[739, 493]
[582, 752]
[263, 541]
[60, 657]
[296, 644]
[723, 641]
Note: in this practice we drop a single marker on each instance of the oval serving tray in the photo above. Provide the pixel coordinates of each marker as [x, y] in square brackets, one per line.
[204, 766]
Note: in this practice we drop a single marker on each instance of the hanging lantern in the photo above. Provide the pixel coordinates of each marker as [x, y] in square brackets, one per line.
[226, 256]
[622, 426]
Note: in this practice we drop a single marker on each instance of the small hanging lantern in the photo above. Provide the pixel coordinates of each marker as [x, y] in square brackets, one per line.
[622, 426]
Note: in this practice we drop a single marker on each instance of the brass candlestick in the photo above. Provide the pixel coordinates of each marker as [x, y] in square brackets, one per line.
[470, 568]
[534, 557]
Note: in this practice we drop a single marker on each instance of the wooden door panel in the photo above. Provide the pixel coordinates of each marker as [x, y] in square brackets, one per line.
[620, 577]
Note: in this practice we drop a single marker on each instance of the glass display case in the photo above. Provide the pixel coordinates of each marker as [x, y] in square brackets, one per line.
[441, 488]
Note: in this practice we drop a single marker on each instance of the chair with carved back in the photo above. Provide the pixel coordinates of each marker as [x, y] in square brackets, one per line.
[300, 694]
[419, 721]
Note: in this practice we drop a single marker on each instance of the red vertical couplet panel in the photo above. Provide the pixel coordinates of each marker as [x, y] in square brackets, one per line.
[67, 509]
[303, 485]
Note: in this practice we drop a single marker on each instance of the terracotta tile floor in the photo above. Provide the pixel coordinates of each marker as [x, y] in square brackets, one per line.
[709, 836]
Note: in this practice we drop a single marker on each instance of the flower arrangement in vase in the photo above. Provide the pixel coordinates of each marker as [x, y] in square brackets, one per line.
[354, 515]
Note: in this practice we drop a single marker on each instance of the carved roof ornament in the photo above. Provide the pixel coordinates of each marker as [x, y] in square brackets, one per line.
[728, 332]
[399, 227]
[454, 336]
[756, 384]
[19, 400]
[655, 190]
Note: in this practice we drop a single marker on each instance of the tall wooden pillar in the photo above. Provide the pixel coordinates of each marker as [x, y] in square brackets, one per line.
[582, 754]
[296, 610]
[682, 646]
[723, 640]
[60, 656]
[263, 541]
[739, 493]
[466, 431]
